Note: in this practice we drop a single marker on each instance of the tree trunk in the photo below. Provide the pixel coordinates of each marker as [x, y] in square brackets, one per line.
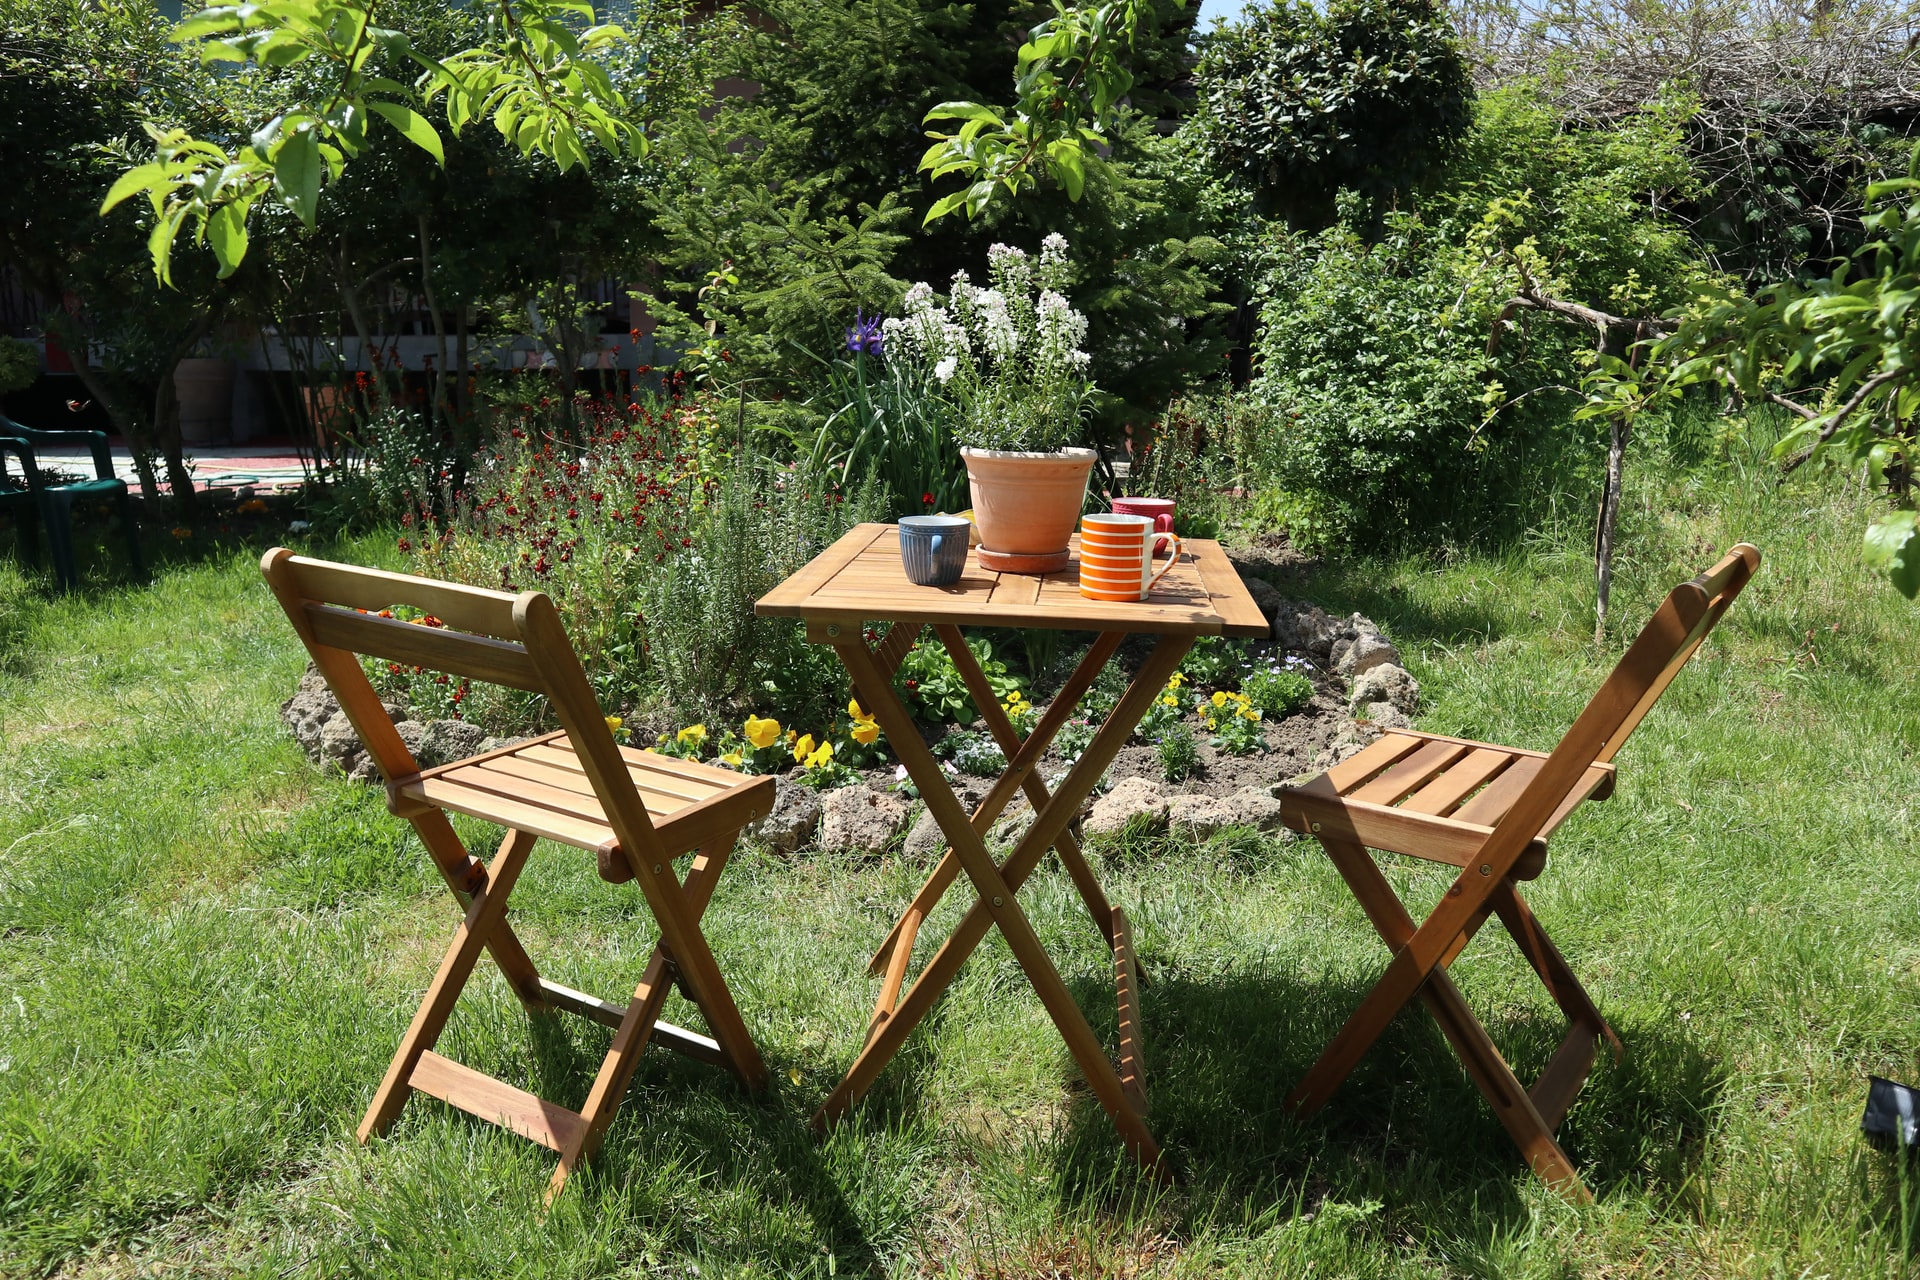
[440, 403]
[166, 431]
[1619, 430]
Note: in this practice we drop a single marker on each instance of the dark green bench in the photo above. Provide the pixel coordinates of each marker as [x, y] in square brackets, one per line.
[38, 500]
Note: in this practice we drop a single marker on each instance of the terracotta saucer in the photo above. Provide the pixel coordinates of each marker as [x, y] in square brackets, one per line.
[1016, 562]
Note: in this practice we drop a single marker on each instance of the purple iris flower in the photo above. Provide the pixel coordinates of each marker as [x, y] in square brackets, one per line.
[865, 334]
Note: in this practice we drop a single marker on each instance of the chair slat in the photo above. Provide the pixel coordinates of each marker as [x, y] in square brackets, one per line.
[474, 609]
[1487, 808]
[476, 802]
[497, 1102]
[1370, 760]
[660, 782]
[436, 648]
[689, 771]
[1404, 776]
[509, 783]
[1453, 786]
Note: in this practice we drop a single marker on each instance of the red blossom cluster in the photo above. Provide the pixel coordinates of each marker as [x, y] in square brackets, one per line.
[625, 483]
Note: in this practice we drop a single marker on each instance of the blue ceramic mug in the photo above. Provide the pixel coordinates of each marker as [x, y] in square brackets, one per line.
[933, 549]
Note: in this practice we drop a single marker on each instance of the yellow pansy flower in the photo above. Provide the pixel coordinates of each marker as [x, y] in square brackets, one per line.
[733, 758]
[1219, 699]
[692, 736]
[802, 749]
[823, 756]
[854, 710]
[614, 723]
[865, 732]
[762, 733]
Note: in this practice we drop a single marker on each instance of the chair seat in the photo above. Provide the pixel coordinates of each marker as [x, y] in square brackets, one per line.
[1427, 796]
[82, 487]
[539, 786]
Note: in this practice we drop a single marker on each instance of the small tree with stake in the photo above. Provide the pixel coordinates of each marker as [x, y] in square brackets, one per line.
[1839, 354]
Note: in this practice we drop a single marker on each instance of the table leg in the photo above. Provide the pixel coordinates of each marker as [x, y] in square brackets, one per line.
[1022, 760]
[1036, 788]
[996, 904]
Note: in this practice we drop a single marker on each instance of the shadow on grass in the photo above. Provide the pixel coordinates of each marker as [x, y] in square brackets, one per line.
[1356, 587]
[1408, 1127]
[689, 1118]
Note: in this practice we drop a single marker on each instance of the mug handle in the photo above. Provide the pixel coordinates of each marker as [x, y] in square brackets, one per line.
[1163, 523]
[1173, 558]
[936, 540]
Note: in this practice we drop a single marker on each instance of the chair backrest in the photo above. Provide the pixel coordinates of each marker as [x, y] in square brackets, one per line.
[490, 636]
[1670, 637]
[96, 442]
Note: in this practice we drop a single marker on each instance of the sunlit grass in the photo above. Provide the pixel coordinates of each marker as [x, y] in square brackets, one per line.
[208, 950]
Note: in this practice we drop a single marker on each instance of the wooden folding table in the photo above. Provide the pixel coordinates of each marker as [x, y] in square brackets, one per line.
[859, 581]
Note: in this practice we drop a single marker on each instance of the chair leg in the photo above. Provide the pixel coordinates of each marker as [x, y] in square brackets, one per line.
[483, 917]
[1550, 965]
[636, 1028]
[56, 518]
[131, 527]
[1524, 1121]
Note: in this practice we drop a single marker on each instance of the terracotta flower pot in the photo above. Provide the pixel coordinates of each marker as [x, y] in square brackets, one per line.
[1026, 505]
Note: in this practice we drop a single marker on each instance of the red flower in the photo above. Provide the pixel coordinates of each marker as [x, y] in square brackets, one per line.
[926, 499]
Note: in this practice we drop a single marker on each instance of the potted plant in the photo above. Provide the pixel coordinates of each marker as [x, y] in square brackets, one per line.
[1008, 356]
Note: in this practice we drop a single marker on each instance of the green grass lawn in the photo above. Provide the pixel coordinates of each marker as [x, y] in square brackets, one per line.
[208, 950]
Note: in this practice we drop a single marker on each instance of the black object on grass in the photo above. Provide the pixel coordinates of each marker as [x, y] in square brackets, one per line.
[1892, 1118]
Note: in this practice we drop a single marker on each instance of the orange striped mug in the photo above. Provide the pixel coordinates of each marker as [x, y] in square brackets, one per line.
[1116, 556]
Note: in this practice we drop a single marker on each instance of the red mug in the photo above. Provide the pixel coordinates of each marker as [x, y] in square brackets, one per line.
[1158, 510]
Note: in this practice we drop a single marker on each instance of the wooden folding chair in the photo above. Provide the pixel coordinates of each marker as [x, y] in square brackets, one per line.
[636, 810]
[1489, 810]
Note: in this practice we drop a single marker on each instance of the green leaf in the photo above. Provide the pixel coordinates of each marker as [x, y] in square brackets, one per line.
[227, 233]
[412, 126]
[962, 111]
[146, 177]
[296, 174]
[1893, 546]
[943, 206]
[1069, 166]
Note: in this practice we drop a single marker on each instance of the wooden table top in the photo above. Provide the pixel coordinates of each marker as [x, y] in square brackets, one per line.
[860, 579]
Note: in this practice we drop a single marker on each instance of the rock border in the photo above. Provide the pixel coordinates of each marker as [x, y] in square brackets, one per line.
[1380, 693]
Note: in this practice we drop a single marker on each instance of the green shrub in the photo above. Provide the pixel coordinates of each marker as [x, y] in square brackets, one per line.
[19, 365]
[932, 689]
[1179, 753]
[1301, 100]
[1408, 404]
[713, 656]
[1279, 691]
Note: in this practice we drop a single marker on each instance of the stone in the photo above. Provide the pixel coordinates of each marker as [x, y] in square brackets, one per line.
[1367, 650]
[1349, 740]
[1012, 823]
[924, 838]
[1301, 628]
[1385, 715]
[793, 820]
[860, 820]
[445, 741]
[1385, 683]
[306, 713]
[1264, 595]
[338, 741]
[412, 732]
[1132, 800]
[1253, 807]
[1197, 817]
